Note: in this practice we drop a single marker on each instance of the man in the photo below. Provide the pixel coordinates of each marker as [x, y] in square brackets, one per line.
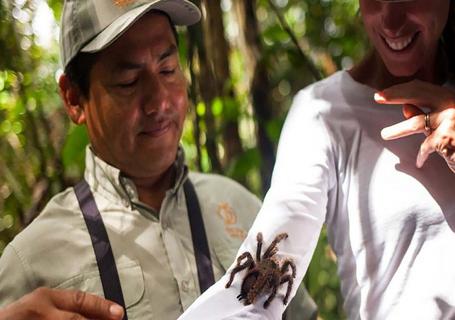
[134, 231]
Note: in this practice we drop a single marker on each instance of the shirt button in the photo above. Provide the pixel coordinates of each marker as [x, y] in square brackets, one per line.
[185, 286]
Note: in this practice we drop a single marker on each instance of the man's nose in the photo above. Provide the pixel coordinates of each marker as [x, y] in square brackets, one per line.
[393, 18]
[156, 94]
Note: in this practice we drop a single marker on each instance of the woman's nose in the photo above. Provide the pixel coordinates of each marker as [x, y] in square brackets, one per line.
[393, 18]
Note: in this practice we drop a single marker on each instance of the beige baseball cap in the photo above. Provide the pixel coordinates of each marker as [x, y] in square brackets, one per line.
[92, 25]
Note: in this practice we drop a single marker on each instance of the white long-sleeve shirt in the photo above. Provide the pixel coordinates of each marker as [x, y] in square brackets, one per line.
[390, 224]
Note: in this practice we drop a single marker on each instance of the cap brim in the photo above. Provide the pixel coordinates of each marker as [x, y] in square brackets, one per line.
[181, 13]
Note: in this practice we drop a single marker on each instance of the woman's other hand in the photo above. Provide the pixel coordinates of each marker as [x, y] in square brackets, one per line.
[438, 125]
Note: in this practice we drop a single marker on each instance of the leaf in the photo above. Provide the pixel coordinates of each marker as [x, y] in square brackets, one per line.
[73, 153]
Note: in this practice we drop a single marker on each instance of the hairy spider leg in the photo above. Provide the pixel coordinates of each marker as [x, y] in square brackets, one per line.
[288, 263]
[259, 248]
[247, 284]
[249, 263]
[290, 280]
[274, 285]
[272, 249]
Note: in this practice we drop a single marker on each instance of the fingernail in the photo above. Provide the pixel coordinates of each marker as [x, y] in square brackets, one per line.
[385, 134]
[116, 310]
[379, 97]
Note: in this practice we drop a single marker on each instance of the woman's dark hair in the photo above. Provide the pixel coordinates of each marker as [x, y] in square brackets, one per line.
[448, 39]
[79, 68]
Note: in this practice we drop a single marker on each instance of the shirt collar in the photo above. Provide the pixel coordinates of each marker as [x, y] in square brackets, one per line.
[112, 184]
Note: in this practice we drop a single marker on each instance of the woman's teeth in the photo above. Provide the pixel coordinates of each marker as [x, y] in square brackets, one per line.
[399, 45]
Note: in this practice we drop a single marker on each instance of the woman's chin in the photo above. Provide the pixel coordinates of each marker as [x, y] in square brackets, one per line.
[402, 70]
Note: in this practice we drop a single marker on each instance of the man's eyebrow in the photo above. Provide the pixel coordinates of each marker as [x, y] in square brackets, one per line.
[127, 65]
[169, 52]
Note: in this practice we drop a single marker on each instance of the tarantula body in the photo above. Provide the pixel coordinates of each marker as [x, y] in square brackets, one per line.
[265, 275]
[259, 279]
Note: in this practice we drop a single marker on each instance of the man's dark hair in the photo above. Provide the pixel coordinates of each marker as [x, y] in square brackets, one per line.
[78, 71]
[79, 68]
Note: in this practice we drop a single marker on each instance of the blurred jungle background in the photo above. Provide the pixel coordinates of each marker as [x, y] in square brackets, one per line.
[246, 60]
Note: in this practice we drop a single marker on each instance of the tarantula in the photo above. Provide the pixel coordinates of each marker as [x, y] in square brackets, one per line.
[265, 275]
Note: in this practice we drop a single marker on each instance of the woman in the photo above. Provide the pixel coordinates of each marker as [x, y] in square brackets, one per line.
[391, 223]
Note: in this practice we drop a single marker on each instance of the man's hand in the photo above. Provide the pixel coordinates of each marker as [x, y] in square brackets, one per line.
[414, 96]
[44, 303]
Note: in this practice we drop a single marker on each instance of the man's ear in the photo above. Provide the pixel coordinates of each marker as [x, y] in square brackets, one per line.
[72, 99]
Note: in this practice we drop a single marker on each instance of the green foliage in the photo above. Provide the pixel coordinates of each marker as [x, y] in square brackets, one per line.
[245, 165]
[73, 153]
[32, 125]
[322, 281]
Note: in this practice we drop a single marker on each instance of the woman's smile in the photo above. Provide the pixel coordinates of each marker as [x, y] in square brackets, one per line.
[401, 44]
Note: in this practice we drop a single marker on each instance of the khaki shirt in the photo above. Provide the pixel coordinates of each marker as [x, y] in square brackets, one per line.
[153, 250]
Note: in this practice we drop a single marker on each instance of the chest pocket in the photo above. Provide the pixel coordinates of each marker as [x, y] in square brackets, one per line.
[133, 287]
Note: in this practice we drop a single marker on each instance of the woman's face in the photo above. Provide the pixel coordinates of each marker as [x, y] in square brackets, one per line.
[405, 33]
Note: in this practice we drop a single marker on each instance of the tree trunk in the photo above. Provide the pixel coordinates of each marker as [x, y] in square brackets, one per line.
[205, 86]
[217, 53]
[194, 96]
[259, 86]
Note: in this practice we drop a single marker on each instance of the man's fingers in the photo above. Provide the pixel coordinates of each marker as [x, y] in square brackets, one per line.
[65, 315]
[45, 303]
[86, 304]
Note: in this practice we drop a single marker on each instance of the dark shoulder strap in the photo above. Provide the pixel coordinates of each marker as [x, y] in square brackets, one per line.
[200, 243]
[101, 245]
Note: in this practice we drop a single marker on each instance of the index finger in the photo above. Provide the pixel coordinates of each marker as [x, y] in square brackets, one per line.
[86, 304]
[417, 93]
[404, 128]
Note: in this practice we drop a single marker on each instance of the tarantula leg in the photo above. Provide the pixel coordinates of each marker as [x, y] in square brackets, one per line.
[241, 296]
[249, 263]
[271, 250]
[288, 263]
[259, 248]
[275, 285]
[290, 280]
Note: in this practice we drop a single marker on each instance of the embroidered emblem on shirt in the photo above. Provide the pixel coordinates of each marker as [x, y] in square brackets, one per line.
[123, 3]
[229, 217]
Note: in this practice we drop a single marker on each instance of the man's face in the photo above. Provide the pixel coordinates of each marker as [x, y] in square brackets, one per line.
[405, 34]
[138, 99]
